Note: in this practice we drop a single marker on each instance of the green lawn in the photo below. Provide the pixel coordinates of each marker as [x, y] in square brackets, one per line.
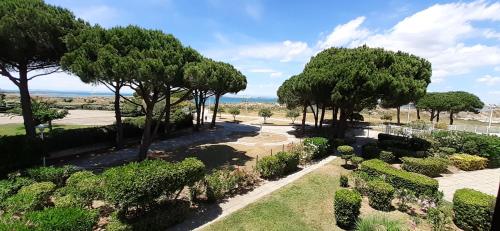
[306, 204]
[18, 129]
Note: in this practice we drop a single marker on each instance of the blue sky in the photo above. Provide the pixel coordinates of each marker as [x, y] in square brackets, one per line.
[271, 40]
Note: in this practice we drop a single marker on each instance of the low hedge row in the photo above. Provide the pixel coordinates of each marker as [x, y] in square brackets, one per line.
[346, 207]
[473, 210]
[468, 162]
[420, 184]
[278, 165]
[18, 152]
[414, 144]
[140, 184]
[430, 166]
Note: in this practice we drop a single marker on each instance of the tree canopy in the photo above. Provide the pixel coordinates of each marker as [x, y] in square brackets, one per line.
[453, 102]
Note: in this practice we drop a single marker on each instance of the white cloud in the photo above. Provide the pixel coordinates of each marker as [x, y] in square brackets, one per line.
[438, 33]
[489, 80]
[272, 73]
[489, 33]
[285, 51]
[345, 34]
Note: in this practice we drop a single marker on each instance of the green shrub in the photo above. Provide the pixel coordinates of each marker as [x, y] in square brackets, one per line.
[440, 217]
[370, 151]
[420, 184]
[270, 167]
[379, 222]
[30, 197]
[9, 187]
[414, 143]
[56, 175]
[85, 185]
[356, 160]
[473, 209]
[69, 201]
[9, 223]
[221, 182]
[180, 119]
[468, 162]
[346, 152]
[387, 156]
[139, 184]
[318, 146]
[63, 219]
[430, 166]
[346, 205]
[380, 195]
[344, 181]
[446, 151]
[291, 160]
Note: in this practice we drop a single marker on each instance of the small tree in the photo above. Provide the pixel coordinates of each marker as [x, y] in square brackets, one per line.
[234, 111]
[43, 112]
[386, 117]
[220, 110]
[293, 115]
[265, 113]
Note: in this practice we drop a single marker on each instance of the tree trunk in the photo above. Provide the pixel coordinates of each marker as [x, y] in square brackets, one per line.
[432, 115]
[418, 114]
[322, 116]
[118, 117]
[335, 112]
[198, 98]
[50, 125]
[168, 94]
[451, 118]
[216, 106]
[203, 110]
[29, 124]
[304, 114]
[146, 135]
[315, 115]
[398, 112]
[341, 125]
[437, 116]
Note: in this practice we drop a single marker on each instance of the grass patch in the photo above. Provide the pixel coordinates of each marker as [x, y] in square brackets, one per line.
[306, 204]
[18, 129]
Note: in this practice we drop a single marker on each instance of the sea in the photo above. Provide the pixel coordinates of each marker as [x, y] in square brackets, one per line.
[68, 94]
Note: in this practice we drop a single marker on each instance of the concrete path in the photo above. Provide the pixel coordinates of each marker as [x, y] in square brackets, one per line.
[487, 181]
[214, 212]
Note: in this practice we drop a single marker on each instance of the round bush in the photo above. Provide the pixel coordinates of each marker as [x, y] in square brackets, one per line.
[387, 156]
[85, 185]
[468, 162]
[346, 205]
[473, 209]
[30, 197]
[356, 160]
[380, 195]
[370, 151]
[63, 219]
[345, 150]
[344, 181]
[290, 159]
[270, 167]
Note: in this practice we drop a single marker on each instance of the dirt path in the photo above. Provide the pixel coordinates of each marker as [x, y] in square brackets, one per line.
[75, 117]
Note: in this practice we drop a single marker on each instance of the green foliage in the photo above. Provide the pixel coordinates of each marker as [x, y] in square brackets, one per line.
[180, 119]
[380, 195]
[9, 187]
[386, 117]
[473, 209]
[453, 102]
[440, 217]
[317, 147]
[69, 201]
[292, 114]
[84, 186]
[387, 156]
[468, 162]
[378, 223]
[222, 182]
[9, 223]
[278, 165]
[414, 144]
[370, 151]
[356, 160]
[345, 150]
[420, 184]
[404, 197]
[265, 113]
[56, 175]
[430, 166]
[29, 198]
[63, 219]
[344, 181]
[346, 207]
[234, 111]
[139, 184]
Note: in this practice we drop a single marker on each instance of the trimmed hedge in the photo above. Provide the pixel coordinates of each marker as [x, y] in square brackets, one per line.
[387, 156]
[414, 144]
[346, 205]
[468, 162]
[370, 151]
[430, 166]
[63, 219]
[56, 175]
[29, 198]
[83, 186]
[473, 210]
[278, 165]
[139, 184]
[380, 195]
[420, 184]
[319, 146]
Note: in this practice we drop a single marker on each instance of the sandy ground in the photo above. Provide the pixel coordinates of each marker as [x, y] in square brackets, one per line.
[75, 117]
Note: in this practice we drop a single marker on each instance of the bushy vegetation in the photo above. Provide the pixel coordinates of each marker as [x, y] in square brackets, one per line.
[344, 181]
[413, 144]
[278, 165]
[370, 151]
[430, 166]
[9, 187]
[346, 207]
[387, 156]
[29, 198]
[380, 195]
[52, 174]
[316, 147]
[223, 182]
[63, 219]
[420, 184]
[473, 210]
[346, 152]
[379, 222]
[468, 162]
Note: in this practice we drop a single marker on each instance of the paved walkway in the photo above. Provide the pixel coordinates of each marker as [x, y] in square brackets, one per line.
[214, 212]
[487, 181]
